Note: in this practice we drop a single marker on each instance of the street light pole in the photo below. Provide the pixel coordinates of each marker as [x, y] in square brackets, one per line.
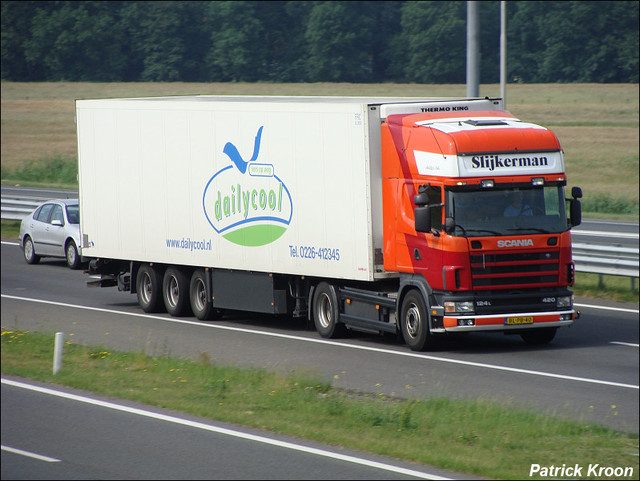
[473, 50]
[503, 52]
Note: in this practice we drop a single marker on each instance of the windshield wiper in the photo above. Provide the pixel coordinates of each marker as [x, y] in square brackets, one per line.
[486, 230]
[542, 231]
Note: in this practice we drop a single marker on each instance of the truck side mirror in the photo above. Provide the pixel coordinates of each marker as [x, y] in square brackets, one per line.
[575, 212]
[421, 198]
[449, 225]
[423, 218]
[576, 192]
[575, 207]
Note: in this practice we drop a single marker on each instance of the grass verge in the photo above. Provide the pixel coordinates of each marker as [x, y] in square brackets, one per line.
[54, 172]
[481, 437]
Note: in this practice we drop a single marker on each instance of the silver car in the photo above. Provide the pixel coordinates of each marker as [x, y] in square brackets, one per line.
[53, 230]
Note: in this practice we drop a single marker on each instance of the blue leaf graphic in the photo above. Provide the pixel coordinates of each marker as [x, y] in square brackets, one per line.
[236, 158]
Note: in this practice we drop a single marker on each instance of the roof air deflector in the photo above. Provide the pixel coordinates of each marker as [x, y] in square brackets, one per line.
[485, 122]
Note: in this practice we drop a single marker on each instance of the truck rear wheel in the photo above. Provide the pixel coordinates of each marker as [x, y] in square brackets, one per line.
[149, 288]
[542, 335]
[414, 321]
[326, 313]
[200, 303]
[175, 292]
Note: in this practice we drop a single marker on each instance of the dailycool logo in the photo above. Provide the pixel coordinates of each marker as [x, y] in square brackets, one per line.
[246, 202]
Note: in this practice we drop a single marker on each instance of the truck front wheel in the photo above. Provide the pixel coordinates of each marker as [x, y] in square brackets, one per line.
[326, 313]
[149, 289]
[175, 292]
[542, 335]
[414, 321]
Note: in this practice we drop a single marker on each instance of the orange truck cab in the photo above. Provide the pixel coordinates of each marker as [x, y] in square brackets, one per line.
[475, 219]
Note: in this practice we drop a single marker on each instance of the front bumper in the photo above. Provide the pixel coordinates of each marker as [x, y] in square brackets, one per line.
[500, 322]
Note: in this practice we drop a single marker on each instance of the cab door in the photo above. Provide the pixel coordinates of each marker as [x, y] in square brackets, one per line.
[419, 252]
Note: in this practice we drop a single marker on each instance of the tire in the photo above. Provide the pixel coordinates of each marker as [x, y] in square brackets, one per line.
[542, 335]
[200, 304]
[29, 251]
[149, 289]
[175, 292]
[414, 322]
[71, 253]
[326, 314]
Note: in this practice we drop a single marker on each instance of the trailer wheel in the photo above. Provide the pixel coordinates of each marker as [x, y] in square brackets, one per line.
[200, 304]
[326, 313]
[175, 292]
[414, 321]
[149, 289]
[543, 335]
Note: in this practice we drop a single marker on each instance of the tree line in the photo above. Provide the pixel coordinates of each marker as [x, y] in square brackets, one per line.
[315, 41]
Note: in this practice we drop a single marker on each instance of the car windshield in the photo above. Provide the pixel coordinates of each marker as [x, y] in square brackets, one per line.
[528, 210]
[73, 214]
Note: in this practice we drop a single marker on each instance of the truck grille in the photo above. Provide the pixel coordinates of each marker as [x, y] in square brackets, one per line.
[506, 270]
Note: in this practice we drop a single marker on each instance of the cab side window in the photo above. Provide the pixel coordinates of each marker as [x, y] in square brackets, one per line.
[435, 197]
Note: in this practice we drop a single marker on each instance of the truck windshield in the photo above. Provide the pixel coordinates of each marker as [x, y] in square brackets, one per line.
[512, 211]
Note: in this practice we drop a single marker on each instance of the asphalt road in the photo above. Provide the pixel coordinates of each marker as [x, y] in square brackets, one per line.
[589, 372]
[66, 434]
[586, 369]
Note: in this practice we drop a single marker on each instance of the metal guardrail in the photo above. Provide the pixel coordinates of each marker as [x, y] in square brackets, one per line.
[590, 258]
[17, 208]
[604, 259]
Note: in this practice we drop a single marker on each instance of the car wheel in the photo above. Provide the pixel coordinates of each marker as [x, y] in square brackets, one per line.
[71, 251]
[29, 252]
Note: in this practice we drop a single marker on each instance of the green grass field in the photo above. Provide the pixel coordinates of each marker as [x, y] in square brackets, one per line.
[597, 124]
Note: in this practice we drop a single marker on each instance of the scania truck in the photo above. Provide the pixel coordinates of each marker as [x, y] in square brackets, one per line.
[411, 216]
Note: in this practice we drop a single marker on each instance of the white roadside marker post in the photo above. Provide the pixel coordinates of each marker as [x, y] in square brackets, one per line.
[57, 352]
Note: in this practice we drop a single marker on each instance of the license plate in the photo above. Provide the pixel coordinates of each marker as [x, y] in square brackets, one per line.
[518, 320]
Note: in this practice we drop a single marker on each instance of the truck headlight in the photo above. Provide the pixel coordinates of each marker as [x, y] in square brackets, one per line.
[464, 307]
[564, 301]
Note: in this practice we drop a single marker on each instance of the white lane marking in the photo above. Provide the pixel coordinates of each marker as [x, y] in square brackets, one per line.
[606, 308]
[334, 343]
[224, 431]
[628, 235]
[29, 454]
[630, 344]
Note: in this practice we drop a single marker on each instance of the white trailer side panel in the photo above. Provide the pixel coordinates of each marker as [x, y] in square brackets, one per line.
[162, 180]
